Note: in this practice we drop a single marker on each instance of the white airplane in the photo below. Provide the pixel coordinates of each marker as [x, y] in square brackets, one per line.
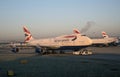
[64, 42]
[114, 40]
[105, 41]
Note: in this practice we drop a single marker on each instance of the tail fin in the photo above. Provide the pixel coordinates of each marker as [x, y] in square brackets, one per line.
[104, 34]
[28, 36]
[76, 31]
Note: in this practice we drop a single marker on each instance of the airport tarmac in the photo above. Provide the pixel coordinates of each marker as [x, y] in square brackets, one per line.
[104, 62]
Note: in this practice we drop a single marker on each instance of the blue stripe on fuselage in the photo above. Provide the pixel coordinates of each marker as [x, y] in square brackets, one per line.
[71, 47]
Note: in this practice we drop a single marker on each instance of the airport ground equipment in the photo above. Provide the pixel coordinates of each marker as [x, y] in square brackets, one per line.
[83, 52]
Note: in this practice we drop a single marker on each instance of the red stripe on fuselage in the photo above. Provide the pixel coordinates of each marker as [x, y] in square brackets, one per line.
[71, 36]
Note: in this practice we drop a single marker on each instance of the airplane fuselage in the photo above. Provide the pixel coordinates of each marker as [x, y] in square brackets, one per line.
[76, 42]
[103, 41]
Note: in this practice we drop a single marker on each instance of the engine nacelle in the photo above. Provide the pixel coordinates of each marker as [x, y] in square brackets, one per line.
[38, 50]
[15, 50]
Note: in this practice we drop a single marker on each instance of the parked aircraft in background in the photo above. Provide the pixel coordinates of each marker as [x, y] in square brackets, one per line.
[65, 42]
[4, 44]
[105, 41]
[104, 34]
[114, 39]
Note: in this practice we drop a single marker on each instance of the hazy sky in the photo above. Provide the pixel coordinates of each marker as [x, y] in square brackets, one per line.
[47, 18]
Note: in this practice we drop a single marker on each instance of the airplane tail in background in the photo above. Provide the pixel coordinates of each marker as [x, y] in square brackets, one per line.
[104, 34]
[76, 31]
[28, 36]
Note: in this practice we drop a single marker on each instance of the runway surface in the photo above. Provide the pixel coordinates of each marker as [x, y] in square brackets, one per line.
[104, 62]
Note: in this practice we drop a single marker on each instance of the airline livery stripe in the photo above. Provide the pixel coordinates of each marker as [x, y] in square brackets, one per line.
[75, 31]
[28, 38]
[25, 30]
[69, 36]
